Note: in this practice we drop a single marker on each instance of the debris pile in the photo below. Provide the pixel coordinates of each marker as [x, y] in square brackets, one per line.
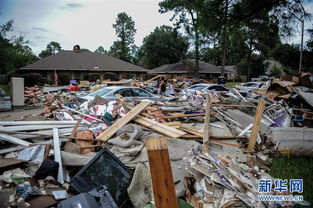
[213, 145]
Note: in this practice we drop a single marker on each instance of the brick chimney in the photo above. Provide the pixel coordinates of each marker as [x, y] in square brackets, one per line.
[76, 48]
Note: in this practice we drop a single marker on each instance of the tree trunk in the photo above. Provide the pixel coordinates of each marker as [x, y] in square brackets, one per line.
[249, 61]
[224, 39]
[195, 26]
[196, 72]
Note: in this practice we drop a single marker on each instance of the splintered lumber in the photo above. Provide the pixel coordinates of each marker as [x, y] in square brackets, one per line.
[256, 126]
[73, 133]
[107, 134]
[180, 115]
[191, 129]
[57, 154]
[161, 173]
[159, 127]
[206, 131]
[14, 140]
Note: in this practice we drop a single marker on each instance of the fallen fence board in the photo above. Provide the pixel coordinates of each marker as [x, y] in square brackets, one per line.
[256, 126]
[161, 173]
[206, 131]
[108, 133]
[159, 127]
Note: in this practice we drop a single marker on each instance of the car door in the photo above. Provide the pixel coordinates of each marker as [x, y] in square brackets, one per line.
[125, 92]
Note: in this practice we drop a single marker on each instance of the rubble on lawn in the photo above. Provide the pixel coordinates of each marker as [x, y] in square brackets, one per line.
[79, 152]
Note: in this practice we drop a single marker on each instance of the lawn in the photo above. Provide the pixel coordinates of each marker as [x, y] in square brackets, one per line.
[295, 168]
[231, 84]
[6, 88]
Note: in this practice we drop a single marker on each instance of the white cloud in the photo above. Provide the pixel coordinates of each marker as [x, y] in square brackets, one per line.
[87, 23]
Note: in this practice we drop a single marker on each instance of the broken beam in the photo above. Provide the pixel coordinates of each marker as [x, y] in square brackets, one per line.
[256, 126]
[161, 173]
[108, 133]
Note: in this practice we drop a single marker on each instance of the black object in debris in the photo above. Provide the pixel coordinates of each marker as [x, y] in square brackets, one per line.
[97, 198]
[221, 80]
[47, 168]
[104, 169]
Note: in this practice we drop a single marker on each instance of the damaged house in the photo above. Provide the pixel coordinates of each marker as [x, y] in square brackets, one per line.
[84, 65]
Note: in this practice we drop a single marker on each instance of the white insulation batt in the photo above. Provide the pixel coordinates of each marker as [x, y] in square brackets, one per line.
[298, 140]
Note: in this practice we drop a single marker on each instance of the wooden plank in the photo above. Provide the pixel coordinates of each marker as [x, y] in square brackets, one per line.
[107, 134]
[206, 131]
[73, 133]
[227, 137]
[191, 129]
[159, 127]
[161, 173]
[57, 154]
[184, 115]
[14, 140]
[256, 126]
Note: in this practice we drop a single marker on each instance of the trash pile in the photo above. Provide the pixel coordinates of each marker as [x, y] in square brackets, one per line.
[207, 149]
[35, 96]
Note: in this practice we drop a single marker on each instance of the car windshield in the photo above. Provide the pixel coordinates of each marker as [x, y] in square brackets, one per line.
[100, 93]
[249, 85]
[197, 87]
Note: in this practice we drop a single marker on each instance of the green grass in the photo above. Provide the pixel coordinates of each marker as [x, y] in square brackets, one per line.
[6, 88]
[231, 84]
[297, 168]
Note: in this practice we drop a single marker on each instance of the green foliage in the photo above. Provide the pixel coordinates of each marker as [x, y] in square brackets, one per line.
[287, 55]
[52, 48]
[32, 78]
[14, 53]
[295, 167]
[309, 43]
[6, 89]
[257, 66]
[187, 14]
[101, 50]
[125, 31]
[163, 46]
[276, 72]
[64, 78]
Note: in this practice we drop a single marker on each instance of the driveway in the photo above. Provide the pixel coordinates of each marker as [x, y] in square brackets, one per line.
[17, 113]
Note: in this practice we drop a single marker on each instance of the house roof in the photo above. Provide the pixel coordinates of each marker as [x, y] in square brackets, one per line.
[230, 68]
[186, 66]
[82, 61]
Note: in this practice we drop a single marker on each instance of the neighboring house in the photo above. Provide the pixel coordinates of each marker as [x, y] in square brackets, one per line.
[185, 68]
[79, 65]
[271, 65]
[230, 72]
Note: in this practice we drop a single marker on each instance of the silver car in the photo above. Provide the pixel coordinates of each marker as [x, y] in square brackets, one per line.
[206, 87]
[127, 92]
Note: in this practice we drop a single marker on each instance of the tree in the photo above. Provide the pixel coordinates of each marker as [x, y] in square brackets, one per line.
[52, 48]
[163, 46]
[287, 55]
[187, 14]
[309, 43]
[101, 50]
[261, 33]
[14, 53]
[125, 31]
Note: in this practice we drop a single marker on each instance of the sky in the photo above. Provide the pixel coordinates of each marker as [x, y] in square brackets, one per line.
[87, 23]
